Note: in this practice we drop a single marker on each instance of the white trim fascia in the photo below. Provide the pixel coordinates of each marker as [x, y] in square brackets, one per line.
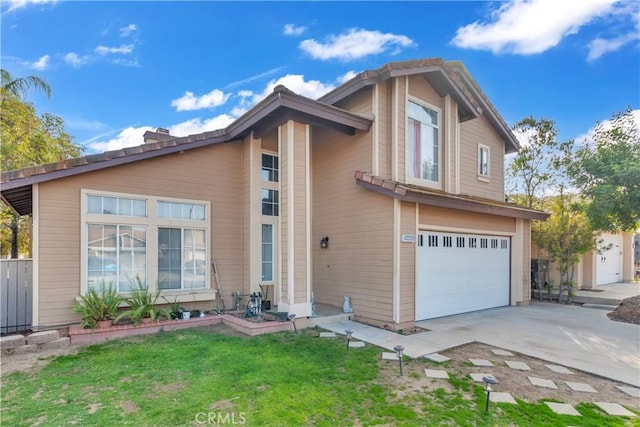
[35, 255]
[396, 260]
[464, 230]
[517, 272]
[375, 132]
[446, 118]
[290, 212]
[255, 216]
[308, 205]
[277, 289]
[394, 132]
[458, 154]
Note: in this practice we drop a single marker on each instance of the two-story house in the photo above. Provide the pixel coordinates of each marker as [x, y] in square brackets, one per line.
[388, 189]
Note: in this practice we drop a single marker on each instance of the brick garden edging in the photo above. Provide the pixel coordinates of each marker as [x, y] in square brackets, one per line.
[80, 335]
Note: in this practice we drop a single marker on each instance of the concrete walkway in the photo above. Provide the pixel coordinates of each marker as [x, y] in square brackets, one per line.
[572, 336]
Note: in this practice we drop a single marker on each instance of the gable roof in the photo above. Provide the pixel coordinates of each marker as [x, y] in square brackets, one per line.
[277, 108]
[446, 77]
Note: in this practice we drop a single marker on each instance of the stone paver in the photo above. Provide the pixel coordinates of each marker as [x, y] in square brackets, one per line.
[389, 356]
[59, 343]
[11, 341]
[615, 409]
[479, 376]
[434, 373]
[500, 352]
[43, 337]
[541, 382]
[437, 357]
[327, 334]
[31, 348]
[521, 366]
[501, 397]
[356, 344]
[631, 391]
[481, 362]
[562, 408]
[559, 369]
[581, 387]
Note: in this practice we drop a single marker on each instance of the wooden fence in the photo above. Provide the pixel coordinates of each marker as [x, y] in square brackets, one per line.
[16, 295]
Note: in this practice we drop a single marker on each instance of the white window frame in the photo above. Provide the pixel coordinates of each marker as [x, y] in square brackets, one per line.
[152, 223]
[408, 167]
[481, 175]
[270, 185]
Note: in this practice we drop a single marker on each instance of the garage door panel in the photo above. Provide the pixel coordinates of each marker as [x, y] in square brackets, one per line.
[458, 273]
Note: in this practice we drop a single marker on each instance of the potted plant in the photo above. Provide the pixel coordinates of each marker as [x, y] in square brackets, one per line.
[98, 308]
[175, 311]
[142, 305]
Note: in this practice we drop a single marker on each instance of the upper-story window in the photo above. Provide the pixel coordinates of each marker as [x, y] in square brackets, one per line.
[423, 142]
[269, 168]
[483, 161]
[270, 191]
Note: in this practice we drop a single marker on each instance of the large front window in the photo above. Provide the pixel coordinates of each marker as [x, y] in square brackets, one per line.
[182, 262]
[123, 235]
[422, 142]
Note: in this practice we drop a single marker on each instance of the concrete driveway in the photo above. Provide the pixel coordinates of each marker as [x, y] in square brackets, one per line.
[581, 338]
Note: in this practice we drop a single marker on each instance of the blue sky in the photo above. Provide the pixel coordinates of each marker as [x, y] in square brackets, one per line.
[119, 68]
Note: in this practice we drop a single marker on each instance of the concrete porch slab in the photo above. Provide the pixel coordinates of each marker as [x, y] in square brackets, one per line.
[586, 388]
[389, 356]
[502, 397]
[541, 382]
[520, 366]
[435, 373]
[481, 362]
[437, 357]
[615, 409]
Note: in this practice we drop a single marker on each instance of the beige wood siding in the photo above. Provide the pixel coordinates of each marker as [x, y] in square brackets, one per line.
[359, 224]
[383, 123]
[300, 213]
[472, 133]
[211, 173]
[407, 263]
[469, 221]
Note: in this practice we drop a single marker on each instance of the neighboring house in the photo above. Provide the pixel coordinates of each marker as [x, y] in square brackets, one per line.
[610, 262]
[388, 189]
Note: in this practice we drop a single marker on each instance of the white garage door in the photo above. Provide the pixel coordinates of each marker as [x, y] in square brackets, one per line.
[609, 260]
[458, 273]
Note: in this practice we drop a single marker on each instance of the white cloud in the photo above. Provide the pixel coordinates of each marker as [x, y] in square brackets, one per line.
[128, 137]
[346, 76]
[355, 43]
[600, 46]
[292, 30]
[124, 49]
[126, 31]
[530, 27]
[313, 89]
[75, 60]
[587, 137]
[189, 101]
[41, 64]
[197, 125]
[18, 4]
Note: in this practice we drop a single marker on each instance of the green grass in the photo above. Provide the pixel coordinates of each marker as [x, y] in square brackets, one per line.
[198, 377]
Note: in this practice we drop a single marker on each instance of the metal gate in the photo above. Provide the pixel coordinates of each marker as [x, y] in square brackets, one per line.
[16, 295]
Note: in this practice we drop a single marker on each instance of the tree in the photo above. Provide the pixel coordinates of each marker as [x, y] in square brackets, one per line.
[566, 236]
[27, 140]
[607, 173]
[530, 174]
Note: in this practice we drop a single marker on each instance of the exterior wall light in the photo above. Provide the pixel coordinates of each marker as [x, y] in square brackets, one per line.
[324, 242]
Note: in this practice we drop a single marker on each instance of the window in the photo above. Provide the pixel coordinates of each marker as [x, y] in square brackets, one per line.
[116, 254]
[483, 161]
[269, 168]
[182, 262]
[473, 242]
[267, 252]
[460, 242]
[447, 241]
[270, 204]
[118, 234]
[483, 243]
[422, 143]
[433, 240]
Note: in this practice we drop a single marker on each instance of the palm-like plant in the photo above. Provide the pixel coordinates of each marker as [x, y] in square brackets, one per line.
[96, 306]
[142, 304]
[21, 85]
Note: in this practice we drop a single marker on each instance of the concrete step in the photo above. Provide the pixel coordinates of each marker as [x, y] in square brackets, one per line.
[579, 299]
[600, 306]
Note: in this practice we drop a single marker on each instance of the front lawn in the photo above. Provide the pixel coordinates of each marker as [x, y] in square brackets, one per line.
[200, 377]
